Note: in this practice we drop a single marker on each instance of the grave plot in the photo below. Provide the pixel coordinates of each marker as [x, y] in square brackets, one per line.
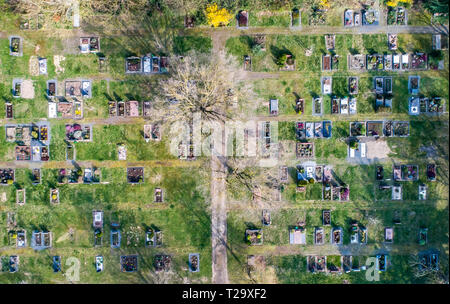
[162, 262]
[33, 22]
[70, 152]
[388, 128]
[396, 16]
[122, 152]
[158, 195]
[319, 236]
[98, 237]
[392, 41]
[423, 236]
[7, 176]
[435, 105]
[153, 237]
[13, 263]
[286, 62]
[121, 108]
[397, 193]
[379, 172]
[431, 172]
[387, 62]
[21, 197]
[156, 61]
[401, 128]
[370, 17]
[388, 235]
[321, 263]
[414, 84]
[9, 114]
[146, 108]
[75, 176]
[326, 217]
[15, 46]
[396, 62]
[135, 175]
[300, 131]
[409, 172]
[348, 18]
[112, 108]
[305, 150]
[242, 20]
[78, 88]
[297, 235]
[56, 263]
[266, 218]
[422, 192]
[357, 128]
[89, 44]
[254, 236]
[260, 41]
[17, 87]
[147, 64]
[52, 88]
[336, 236]
[92, 176]
[318, 132]
[35, 176]
[247, 63]
[115, 235]
[273, 107]
[283, 173]
[296, 18]
[335, 102]
[405, 61]
[374, 128]
[330, 42]
[326, 84]
[189, 21]
[356, 62]
[99, 263]
[353, 85]
[41, 240]
[132, 108]
[129, 263]
[352, 106]
[347, 263]
[354, 233]
[375, 62]
[194, 262]
[42, 66]
[102, 65]
[54, 196]
[381, 262]
[62, 177]
[133, 65]
[326, 62]
[343, 109]
[21, 239]
[78, 133]
[419, 61]
[317, 106]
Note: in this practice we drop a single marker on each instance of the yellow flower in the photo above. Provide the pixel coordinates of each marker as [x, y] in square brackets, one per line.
[217, 17]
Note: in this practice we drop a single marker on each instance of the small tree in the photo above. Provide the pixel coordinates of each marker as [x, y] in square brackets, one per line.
[217, 17]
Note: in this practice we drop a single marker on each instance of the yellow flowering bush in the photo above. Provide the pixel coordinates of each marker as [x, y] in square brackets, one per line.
[217, 17]
[394, 3]
[324, 3]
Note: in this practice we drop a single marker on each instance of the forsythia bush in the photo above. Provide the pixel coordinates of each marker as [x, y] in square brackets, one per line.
[394, 3]
[325, 3]
[217, 17]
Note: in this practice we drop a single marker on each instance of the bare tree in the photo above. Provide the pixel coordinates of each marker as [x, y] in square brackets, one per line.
[422, 270]
[197, 83]
[185, 6]
[57, 7]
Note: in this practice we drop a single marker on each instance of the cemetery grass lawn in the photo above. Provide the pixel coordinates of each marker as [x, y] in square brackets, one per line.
[183, 218]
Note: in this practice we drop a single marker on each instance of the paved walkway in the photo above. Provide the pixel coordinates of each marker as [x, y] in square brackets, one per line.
[218, 221]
